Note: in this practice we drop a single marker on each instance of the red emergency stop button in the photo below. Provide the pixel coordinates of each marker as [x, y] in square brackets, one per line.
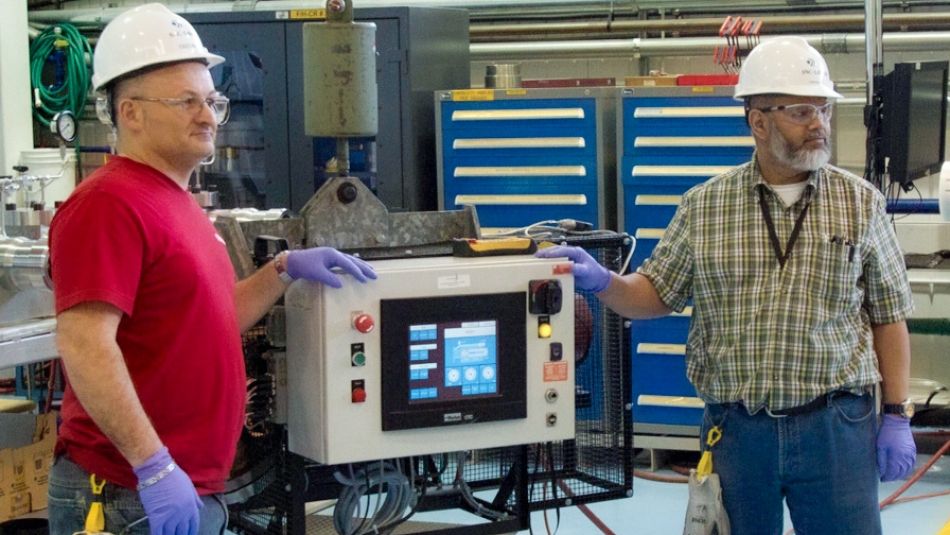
[358, 395]
[363, 323]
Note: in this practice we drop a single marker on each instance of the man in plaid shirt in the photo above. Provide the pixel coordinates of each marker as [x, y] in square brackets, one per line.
[800, 298]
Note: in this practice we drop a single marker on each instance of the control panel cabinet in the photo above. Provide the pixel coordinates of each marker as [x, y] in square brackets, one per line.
[435, 355]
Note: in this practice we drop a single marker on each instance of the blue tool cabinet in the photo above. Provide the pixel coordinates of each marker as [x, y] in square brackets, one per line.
[526, 155]
[668, 140]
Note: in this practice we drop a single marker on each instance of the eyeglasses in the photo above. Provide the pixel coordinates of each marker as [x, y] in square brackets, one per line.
[220, 105]
[803, 113]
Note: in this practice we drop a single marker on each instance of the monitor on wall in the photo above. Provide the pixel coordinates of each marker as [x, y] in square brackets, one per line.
[914, 120]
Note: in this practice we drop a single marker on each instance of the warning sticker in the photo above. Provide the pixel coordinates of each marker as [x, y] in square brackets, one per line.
[555, 371]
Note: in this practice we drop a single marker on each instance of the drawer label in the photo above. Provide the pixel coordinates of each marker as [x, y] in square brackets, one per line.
[470, 95]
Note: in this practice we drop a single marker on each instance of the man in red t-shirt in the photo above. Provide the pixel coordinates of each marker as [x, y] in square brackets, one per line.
[148, 312]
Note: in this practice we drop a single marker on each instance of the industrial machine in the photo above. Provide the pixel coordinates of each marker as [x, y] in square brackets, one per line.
[468, 353]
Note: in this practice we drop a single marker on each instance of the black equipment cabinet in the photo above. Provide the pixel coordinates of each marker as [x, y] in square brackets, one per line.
[266, 160]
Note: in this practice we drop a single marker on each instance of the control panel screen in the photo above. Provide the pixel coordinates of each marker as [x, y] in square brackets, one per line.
[453, 360]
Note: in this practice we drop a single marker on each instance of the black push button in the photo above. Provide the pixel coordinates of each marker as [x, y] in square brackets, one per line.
[557, 351]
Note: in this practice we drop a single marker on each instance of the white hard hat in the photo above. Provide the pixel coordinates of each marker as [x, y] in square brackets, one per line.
[144, 36]
[788, 66]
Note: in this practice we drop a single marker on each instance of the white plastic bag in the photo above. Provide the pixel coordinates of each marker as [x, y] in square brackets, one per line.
[705, 514]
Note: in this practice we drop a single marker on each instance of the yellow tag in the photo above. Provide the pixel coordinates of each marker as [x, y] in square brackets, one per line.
[705, 467]
[318, 14]
[520, 92]
[702, 89]
[467, 95]
[95, 520]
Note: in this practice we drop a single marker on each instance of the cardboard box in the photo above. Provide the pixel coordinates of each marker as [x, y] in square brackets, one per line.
[24, 470]
[569, 82]
[651, 81]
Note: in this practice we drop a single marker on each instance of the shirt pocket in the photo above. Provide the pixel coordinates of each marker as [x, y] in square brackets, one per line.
[832, 273]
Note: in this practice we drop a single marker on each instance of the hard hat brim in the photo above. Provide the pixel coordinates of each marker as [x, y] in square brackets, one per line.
[210, 59]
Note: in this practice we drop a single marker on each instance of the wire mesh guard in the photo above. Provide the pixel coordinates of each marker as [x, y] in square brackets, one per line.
[270, 485]
[598, 464]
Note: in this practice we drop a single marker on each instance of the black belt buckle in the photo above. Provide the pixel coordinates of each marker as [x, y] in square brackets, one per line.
[813, 405]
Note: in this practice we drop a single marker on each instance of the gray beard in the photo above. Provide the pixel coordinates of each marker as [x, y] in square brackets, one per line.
[797, 159]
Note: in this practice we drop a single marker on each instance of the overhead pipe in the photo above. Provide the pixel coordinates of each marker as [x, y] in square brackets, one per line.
[692, 46]
[608, 11]
[481, 32]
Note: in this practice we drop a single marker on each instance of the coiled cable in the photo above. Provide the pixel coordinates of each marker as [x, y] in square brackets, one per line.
[389, 510]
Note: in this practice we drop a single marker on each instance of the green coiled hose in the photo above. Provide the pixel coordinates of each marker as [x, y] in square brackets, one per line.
[70, 91]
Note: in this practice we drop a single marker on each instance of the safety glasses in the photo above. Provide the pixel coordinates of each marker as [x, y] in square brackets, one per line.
[220, 105]
[803, 113]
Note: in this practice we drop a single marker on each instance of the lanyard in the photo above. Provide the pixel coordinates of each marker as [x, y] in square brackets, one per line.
[773, 237]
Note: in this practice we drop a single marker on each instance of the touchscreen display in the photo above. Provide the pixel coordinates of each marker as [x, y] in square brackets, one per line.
[453, 361]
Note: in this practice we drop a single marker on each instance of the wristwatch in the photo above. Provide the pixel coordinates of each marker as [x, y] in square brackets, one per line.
[904, 408]
[280, 265]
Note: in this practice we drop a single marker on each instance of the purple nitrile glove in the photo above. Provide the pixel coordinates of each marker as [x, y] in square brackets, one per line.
[315, 264]
[896, 451]
[588, 274]
[168, 496]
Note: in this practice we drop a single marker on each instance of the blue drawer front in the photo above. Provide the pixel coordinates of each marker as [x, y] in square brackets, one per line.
[515, 157]
[702, 124]
[663, 375]
[662, 137]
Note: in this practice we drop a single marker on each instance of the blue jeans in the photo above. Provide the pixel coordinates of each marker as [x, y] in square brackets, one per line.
[70, 497]
[823, 463]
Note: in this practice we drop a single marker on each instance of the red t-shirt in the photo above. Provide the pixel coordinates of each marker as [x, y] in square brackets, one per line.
[132, 237]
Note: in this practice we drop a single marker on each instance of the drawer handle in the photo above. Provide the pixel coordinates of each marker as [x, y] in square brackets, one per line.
[703, 141]
[679, 402]
[680, 170]
[505, 115]
[649, 233]
[677, 112]
[686, 313]
[657, 200]
[527, 170]
[662, 349]
[576, 200]
[520, 143]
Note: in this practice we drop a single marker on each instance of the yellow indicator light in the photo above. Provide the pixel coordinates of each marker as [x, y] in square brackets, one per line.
[544, 330]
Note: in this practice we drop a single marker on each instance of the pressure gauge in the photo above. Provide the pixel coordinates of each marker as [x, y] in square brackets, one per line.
[64, 126]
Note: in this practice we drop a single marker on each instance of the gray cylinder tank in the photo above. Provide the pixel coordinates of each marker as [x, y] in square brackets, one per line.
[339, 78]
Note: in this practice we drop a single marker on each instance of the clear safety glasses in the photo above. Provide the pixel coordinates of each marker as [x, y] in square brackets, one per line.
[220, 105]
[803, 113]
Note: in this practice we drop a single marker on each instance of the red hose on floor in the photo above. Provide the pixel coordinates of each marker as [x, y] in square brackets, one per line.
[587, 512]
[917, 475]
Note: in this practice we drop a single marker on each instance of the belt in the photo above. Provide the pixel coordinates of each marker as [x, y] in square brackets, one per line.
[818, 403]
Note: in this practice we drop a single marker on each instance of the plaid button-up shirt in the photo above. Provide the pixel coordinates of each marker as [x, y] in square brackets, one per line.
[779, 337]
